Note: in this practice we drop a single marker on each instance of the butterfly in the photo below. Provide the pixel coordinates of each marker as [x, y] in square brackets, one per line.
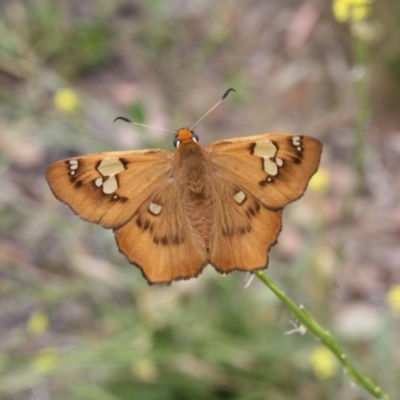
[173, 213]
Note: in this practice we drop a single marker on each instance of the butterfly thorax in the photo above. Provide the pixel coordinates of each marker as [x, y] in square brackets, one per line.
[193, 167]
[192, 164]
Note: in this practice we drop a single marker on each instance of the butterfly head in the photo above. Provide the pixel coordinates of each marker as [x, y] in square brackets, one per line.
[185, 135]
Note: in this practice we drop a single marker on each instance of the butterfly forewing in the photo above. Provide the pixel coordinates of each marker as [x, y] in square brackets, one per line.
[108, 188]
[275, 168]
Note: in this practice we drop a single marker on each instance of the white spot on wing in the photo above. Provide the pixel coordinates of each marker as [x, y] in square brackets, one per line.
[270, 167]
[110, 185]
[73, 164]
[265, 149]
[110, 166]
[155, 208]
[296, 140]
[239, 197]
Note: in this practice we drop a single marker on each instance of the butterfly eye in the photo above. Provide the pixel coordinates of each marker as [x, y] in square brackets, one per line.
[195, 137]
[176, 142]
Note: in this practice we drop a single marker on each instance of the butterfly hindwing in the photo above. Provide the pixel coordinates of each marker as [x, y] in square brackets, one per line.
[160, 238]
[243, 229]
[108, 188]
[275, 168]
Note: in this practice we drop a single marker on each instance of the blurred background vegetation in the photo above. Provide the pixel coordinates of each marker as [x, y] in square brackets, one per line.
[77, 321]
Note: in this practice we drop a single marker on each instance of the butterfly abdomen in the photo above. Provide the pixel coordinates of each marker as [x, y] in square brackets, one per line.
[193, 168]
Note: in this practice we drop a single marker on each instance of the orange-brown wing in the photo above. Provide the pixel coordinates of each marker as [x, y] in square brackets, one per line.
[135, 194]
[160, 238]
[274, 168]
[243, 229]
[257, 176]
[108, 188]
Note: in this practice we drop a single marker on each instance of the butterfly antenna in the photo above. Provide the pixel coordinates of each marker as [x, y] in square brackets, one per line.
[212, 108]
[146, 126]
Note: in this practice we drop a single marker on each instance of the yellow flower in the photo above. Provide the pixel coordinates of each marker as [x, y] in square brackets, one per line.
[320, 181]
[145, 370]
[45, 361]
[323, 362]
[66, 100]
[38, 323]
[393, 299]
[352, 10]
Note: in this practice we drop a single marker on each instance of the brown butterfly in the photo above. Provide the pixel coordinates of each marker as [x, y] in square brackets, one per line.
[174, 213]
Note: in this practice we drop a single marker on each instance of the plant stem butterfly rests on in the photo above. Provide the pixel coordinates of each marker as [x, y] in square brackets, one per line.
[174, 213]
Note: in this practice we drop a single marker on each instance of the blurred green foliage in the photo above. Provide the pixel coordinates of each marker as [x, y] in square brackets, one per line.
[109, 335]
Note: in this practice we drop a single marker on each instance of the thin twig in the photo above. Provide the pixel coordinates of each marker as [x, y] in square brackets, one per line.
[303, 315]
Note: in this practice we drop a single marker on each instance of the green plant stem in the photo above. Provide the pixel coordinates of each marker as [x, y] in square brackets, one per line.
[309, 322]
[361, 86]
